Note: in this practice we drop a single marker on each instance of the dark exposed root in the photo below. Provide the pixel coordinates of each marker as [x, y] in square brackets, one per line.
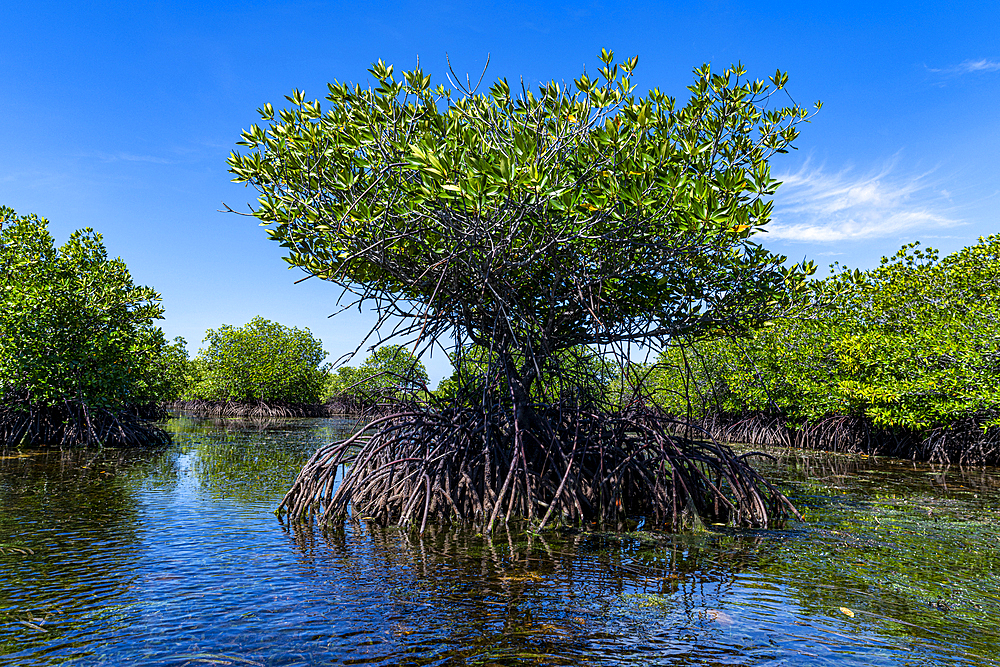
[351, 405]
[257, 410]
[850, 435]
[248, 410]
[74, 423]
[963, 442]
[572, 467]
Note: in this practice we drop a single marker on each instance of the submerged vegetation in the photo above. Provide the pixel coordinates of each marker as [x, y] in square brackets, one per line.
[903, 359]
[80, 359]
[526, 225]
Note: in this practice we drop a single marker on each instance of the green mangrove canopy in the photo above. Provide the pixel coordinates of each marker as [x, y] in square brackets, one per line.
[80, 358]
[520, 225]
[532, 221]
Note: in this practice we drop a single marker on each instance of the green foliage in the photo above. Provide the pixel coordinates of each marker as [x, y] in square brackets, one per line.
[535, 227]
[912, 344]
[341, 382]
[578, 374]
[176, 373]
[533, 223]
[261, 361]
[390, 369]
[73, 326]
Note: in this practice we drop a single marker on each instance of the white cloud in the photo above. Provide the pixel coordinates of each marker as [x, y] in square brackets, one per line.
[131, 157]
[970, 66]
[817, 207]
[981, 65]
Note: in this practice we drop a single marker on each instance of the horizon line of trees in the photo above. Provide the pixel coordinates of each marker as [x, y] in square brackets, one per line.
[266, 362]
[902, 359]
[909, 350]
[83, 362]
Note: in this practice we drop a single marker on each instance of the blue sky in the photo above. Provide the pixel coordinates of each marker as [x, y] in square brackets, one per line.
[120, 116]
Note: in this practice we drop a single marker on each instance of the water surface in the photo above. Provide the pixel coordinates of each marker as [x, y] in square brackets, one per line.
[175, 557]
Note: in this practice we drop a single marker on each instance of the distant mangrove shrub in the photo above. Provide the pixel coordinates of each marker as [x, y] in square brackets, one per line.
[913, 344]
[178, 373]
[78, 349]
[576, 375]
[262, 361]
[391, 371]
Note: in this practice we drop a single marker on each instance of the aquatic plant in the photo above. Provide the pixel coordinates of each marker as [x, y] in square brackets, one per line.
[390, 371]
[524, 225]
[252, 410]
[259, 363]
[903, 359]
[409, 467]
[79, 355]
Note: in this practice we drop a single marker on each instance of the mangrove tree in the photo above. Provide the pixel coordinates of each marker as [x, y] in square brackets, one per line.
[79, 354]
[522, 223]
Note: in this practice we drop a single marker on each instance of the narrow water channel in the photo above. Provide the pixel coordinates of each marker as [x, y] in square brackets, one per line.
[175, 557]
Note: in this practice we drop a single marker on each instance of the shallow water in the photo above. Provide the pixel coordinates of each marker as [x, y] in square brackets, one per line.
[176, 558]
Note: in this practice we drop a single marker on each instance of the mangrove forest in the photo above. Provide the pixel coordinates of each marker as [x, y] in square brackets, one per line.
[656, 441]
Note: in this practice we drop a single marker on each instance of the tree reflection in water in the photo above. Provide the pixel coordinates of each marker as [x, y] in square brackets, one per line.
[175, 557]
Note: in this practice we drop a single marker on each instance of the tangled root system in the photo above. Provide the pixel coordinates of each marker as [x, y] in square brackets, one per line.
[249, 410]
[74, 423]
[964, 441]
[571, 466]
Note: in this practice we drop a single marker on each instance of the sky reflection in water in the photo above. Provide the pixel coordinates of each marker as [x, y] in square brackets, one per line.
[175, 558]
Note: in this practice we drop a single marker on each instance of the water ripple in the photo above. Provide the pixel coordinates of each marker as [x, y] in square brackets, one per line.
[175, 558]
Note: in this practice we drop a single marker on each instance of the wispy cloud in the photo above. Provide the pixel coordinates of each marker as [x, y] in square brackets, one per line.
[970, 67]
[814, 206]
[131, 157]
